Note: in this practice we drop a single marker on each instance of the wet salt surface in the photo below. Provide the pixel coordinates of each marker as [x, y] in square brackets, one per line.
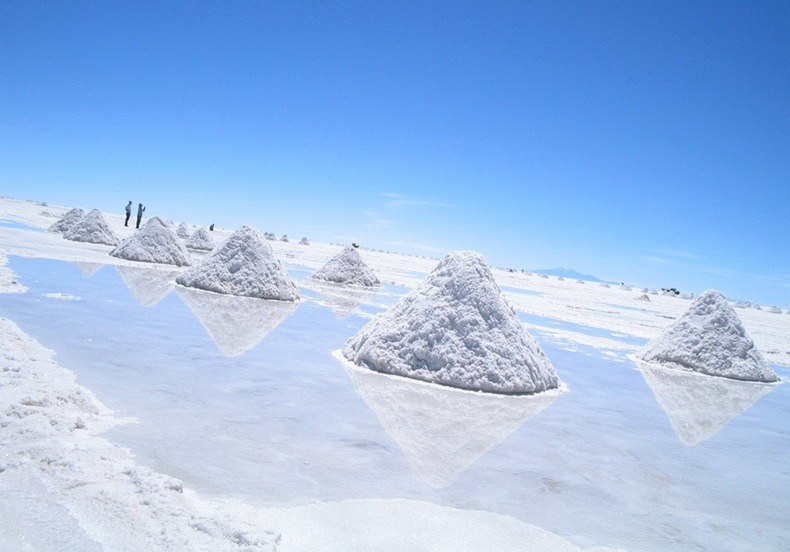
[638, 459]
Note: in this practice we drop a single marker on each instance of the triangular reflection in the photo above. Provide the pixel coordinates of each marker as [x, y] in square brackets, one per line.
[88, 269]
[343, 300]
[442, 430]
[235, 324]
[699, 406]
[148, 285]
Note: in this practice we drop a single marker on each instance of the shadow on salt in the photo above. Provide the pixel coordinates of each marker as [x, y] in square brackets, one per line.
[698, 406]
[148, 285]
[235, 324]
[442, 430]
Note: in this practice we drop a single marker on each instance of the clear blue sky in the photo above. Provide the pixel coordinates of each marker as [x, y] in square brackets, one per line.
[647, 142]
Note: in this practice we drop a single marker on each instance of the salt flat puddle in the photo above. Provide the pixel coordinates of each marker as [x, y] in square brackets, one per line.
[243, 399]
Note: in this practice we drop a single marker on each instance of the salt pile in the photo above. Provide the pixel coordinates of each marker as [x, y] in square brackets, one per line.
[201, 240]
[455, 329]
[92, 228]
[347, 267]
[243, 265]
[153, 243]
[182, 231]
[304, 241]
[68, 220]
[709, 338]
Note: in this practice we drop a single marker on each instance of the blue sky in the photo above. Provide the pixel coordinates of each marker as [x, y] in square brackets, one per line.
[646, 142]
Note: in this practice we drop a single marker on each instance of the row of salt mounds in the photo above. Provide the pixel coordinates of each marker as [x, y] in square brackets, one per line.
[68, 220]
[201, 240]
[347, 267]
[243, 265]
[709, 338]
[455, 329]
[155, 242]
[91, 228]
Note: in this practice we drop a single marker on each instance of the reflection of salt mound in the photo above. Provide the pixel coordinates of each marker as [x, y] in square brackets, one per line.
[92, 228]
[698, 406]
[155, 242]
[182, 231]
[148, 285]
[68, 220]
[455, 329]
[347, 267]
[343, 300]
[235, 324]
[88, 269]
[442, 431]
[710, 339]
[201, 240]
[243, 265]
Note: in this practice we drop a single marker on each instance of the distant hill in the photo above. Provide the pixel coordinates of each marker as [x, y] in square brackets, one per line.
[566, 272]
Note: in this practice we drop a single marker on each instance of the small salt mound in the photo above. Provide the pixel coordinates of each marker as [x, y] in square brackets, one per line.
[644, 297]
[455, 329]
[182, 231]
[68, 220]
[709, 338]
[347, 267]
[201, 240]
[243, 265]
[153, 243]
[92, 228]
[304, 241]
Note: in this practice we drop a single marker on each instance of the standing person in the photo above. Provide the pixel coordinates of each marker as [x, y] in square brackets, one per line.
[128, 213]
[140, 210]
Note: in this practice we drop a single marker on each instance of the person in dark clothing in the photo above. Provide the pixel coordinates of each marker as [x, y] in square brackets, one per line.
[128, 213]
[140, 210]
[211, 227]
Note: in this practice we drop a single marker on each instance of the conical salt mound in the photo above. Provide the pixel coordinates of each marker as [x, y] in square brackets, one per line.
[155, 242]
[347, 267]
[709, 338]
[201, 240]
[182, 231]
[68, 220]
[455, 329]
[243, 265]
[92, 228]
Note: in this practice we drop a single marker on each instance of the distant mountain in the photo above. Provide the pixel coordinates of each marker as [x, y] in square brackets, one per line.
[566, 272]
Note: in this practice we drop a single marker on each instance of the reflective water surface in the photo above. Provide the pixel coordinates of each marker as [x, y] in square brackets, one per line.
[245, 398]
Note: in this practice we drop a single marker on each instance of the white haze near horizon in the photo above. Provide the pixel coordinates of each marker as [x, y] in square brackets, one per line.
[270, 437]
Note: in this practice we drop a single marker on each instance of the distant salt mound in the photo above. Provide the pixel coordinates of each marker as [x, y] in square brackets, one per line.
[347, 267]
[709, 338]
[182, 231]
[155, 242]
[243, 265]
[644, 297]
[92, 228]
[201, 240]
[455, 329]
[304, 241]
[68, 220]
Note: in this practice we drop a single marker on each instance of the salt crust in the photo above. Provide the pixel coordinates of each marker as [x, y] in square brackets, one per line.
[347, 267]
[50, 427]
[709, 338]
[243, 265]
[155, 242]
[455, 329]
[92, 228]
